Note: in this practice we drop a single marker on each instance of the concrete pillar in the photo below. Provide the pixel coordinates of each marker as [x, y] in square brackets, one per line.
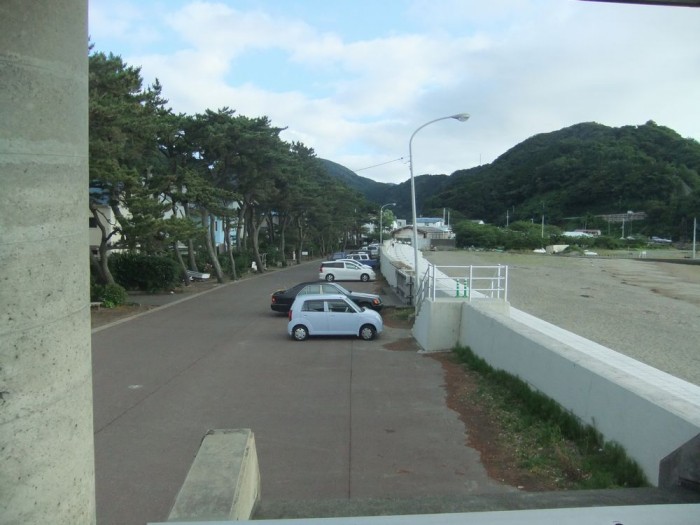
[46, 436]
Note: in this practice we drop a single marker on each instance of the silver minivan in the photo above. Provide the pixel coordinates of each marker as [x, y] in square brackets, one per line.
[331, 314]
[345, 271]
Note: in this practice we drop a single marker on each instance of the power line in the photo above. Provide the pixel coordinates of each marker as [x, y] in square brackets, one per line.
[377, 165]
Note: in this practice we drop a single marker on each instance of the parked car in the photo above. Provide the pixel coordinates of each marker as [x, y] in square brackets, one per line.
[331, 314]
[345, 271]
[337, 255]
[363, 258]
[281, 300]
[358, 262]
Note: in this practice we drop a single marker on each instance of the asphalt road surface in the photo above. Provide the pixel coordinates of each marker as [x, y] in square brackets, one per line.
[333, 419]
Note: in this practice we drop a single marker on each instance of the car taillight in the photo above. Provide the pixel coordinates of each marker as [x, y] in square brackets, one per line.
[289, 314]
[273, 299]
[320, 269]
[375, 301]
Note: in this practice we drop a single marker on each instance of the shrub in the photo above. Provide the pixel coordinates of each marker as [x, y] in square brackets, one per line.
[143, 272]
[113, 295]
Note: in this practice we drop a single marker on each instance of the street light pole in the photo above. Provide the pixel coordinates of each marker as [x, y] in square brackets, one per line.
[462, 117]
[381, 216]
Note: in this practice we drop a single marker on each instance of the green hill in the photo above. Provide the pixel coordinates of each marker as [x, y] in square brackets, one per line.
[571, 175]
[585, 170]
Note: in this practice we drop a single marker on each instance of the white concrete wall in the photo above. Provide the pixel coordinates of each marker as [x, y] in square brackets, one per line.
[437, 327]
[650, 413]
[46, 432]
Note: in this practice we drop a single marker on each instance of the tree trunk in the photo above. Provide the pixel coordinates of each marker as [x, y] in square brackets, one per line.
[254, 235]
[229, 246]
[212, 231]
[181, 261]
[300, 232]
[191, 256]
[101, 264]
[256, 247]
[210, 250]
[241, 227]
[270, 229]
[283, 243]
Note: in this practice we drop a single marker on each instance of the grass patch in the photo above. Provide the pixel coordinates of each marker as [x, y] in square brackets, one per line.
[402, 314]
[547, 439]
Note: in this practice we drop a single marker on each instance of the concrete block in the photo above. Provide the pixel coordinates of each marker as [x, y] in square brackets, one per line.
[224, 480]
[682, 466]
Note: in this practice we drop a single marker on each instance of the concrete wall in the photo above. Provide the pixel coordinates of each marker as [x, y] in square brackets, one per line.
[224, 480]
[653, 415]
[46, 433]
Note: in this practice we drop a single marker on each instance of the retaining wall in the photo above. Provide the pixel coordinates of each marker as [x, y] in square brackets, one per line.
[653, 415]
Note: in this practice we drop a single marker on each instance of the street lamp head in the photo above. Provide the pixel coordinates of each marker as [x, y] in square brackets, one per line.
[462, 117]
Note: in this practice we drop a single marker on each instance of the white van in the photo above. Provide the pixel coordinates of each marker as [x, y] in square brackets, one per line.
[345, 271]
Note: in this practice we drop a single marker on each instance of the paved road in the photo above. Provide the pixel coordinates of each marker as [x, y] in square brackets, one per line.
[333, 419]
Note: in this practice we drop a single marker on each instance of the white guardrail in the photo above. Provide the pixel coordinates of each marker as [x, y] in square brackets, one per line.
[464, 282]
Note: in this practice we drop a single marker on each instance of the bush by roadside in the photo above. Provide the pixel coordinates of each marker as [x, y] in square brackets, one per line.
[147, 273]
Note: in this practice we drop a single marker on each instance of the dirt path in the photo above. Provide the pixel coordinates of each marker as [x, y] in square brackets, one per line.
[644, 309]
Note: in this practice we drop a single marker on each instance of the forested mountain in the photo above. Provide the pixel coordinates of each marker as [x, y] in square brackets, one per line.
[372, 190]
[572, 175]
[382, 193]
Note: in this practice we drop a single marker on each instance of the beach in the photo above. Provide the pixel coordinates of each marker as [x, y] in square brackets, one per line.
[646, 309]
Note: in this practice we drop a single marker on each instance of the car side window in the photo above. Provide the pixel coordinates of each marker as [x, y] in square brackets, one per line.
[313, 306]
[337, 305]
[310, 289]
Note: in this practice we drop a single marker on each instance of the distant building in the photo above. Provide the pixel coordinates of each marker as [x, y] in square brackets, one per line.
[426, 234]
[592, 233]
[576, 234]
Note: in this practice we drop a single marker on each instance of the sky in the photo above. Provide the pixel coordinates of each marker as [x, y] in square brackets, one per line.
[355, 79]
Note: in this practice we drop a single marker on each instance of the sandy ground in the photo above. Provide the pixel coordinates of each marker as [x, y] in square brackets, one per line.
[645, 309]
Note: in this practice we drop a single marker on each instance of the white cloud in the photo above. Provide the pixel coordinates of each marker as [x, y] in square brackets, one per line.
[519, 67]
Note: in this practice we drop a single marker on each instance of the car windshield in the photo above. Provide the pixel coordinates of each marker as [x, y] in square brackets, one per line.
[341, 289]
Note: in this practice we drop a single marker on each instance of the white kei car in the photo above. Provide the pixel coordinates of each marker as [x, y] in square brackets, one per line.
[331, 314]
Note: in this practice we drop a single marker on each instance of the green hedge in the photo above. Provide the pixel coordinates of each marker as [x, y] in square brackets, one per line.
[111, 295]
[147, 273]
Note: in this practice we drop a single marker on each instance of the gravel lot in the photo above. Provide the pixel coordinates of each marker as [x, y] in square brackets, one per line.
[645, 309]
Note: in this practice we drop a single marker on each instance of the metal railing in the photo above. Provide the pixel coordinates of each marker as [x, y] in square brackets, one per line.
[464, 282]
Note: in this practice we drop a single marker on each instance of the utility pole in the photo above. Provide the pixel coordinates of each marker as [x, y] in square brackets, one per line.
[543, 219]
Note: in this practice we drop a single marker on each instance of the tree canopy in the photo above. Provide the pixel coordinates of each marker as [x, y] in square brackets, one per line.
[170, 179]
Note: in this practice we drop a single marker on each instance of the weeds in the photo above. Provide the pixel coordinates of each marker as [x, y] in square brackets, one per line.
[549, 440]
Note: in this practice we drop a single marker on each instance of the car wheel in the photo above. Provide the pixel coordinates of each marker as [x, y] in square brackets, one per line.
[367, 332]
[300, 333]
[364, 277]
[330, 277]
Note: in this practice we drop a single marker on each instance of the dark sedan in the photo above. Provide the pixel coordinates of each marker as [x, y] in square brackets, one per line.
[281, 300]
